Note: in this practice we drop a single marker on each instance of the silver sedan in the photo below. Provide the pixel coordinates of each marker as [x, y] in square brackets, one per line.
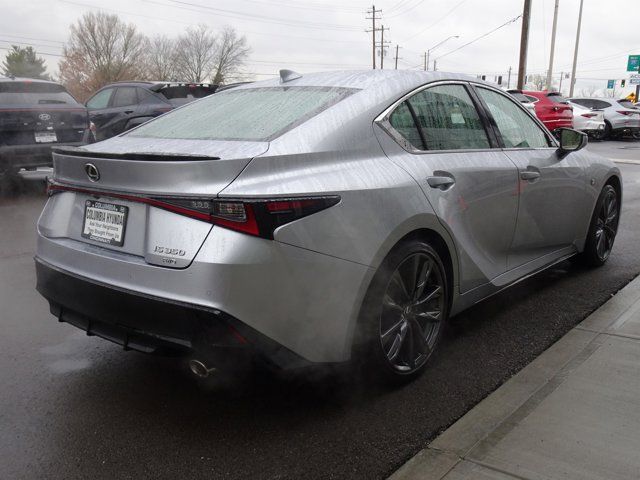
[317, 219]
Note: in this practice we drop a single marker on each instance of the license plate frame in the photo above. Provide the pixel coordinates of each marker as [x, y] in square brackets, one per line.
[45, 136]
[101, 230]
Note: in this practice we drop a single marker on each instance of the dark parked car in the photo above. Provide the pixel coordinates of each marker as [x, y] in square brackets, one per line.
[121, 106]
[552, 109]
[34, 115]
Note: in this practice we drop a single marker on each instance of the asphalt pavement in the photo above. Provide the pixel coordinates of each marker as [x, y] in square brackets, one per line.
[73, 406]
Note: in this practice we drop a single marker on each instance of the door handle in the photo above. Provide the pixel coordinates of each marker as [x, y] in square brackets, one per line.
[530, 175]
[441, 182]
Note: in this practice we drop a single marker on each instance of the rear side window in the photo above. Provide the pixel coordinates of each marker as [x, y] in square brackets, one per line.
[124, 97]
[34, 93]
[258, 114]
[100, 99]
[449, 119]
[402, 121]
[520, 97]
[600, 104]
[531, 98]
[517, 128]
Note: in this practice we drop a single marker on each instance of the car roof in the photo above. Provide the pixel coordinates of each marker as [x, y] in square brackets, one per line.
[26, 79]
[381, 84]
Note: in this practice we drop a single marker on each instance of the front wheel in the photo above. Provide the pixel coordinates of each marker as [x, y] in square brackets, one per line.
[404, 312]
[603, 228]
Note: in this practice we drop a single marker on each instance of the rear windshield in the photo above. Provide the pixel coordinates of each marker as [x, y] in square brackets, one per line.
[557, 98]
[258, 114]
[520, 97]
[181, 94]
[627, 103]
[34, 93]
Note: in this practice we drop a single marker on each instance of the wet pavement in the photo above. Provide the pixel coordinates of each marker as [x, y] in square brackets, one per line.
[73, 406]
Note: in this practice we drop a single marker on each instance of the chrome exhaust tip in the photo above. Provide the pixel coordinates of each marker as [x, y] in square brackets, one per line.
[199, 369]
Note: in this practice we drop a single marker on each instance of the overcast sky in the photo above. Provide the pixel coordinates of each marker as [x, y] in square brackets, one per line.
[312, 35]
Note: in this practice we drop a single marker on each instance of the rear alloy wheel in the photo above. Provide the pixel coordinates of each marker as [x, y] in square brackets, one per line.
[407, 308]
[603, 228]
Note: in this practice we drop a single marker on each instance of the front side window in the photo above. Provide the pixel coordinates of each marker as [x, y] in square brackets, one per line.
[517, 128]
[257, 114]
[448, 119]
[100, 99]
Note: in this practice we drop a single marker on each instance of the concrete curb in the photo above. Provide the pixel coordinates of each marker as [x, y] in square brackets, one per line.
[464, 444]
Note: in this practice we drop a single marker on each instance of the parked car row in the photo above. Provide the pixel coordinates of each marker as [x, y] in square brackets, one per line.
[600, 118]
[38, 114]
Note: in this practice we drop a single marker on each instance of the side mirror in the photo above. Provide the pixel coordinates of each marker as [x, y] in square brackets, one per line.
[571, 141]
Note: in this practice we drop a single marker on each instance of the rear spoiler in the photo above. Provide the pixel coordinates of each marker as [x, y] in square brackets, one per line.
[150, 156]
[160, 86]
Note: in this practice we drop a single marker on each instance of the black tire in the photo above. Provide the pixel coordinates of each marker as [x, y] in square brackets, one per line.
[635, 134]
[606, 135]
[387, 349]
[598, 135]
[602, 229]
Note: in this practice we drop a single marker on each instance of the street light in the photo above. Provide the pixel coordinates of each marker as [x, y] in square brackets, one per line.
[426, 55]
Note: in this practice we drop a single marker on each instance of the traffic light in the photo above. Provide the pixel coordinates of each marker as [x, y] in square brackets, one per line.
[622, 82]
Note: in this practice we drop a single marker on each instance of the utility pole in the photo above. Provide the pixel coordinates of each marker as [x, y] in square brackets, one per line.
[373, 30]
[553, 46]
[425, 61]
[397, 56]
[435, 65]
[575, 52]
[382, 45]
[524, 43]
[509, 79]
[561, 77]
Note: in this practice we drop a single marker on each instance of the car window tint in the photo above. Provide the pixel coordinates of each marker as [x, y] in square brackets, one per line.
[600, 104]
[626, 103]
[517, 128]
[448, 118]
[402, 121]
[100, 99]
[258, 114]
[145, 96]
[124, 97]
[532, 99]
[556, 98]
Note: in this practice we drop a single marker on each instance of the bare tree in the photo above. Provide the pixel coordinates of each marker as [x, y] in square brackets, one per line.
[230, 56]
[161, 58]
[101, 49]
[195, 54]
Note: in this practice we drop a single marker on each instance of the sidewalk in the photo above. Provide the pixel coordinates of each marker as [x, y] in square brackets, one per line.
[573, 413]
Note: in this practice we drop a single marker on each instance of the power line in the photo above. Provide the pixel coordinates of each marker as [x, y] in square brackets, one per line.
[455, 7]
[480, 37]
[406, 10]
[258, 18]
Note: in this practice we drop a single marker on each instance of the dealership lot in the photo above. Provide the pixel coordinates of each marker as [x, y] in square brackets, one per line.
[78, 407]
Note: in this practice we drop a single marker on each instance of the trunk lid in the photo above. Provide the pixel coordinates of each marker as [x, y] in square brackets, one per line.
[132, 168]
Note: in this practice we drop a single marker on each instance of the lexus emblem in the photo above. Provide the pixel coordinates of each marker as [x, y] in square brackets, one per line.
[45, 117]
[92, 172]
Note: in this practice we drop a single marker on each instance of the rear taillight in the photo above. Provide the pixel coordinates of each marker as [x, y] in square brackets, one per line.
[258, 217]
[627, 112]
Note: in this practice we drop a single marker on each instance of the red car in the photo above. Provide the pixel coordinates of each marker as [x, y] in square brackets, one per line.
[552, 109]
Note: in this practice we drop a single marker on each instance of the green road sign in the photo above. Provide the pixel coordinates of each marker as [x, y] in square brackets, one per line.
[633, 65]
[611, 84]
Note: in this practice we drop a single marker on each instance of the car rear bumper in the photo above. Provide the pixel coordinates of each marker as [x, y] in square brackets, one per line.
[149, 324]
[304, 301]
[30, 156]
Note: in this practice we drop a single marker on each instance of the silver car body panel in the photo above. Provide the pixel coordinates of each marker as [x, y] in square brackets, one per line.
[304, 289]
